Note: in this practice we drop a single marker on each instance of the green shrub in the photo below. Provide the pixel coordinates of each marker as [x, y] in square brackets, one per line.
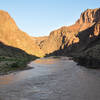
[15, 64]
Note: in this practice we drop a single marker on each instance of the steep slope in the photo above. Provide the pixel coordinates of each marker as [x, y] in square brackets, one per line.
[39, 40]
[66, 36]
[11, 35]
[87, 39]
[12, 59]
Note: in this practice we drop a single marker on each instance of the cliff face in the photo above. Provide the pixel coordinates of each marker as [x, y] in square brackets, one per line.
[90, 16]
[85, 30]
[39, 40]
[11, 35]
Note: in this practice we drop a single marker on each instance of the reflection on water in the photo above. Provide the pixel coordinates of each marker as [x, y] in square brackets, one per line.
[47, 61]
[6, 79]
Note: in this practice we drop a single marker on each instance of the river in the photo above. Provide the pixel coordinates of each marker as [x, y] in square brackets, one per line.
[51, 79]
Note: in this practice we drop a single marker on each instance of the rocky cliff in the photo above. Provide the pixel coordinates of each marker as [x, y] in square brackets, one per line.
[85, 30]
[11, 35]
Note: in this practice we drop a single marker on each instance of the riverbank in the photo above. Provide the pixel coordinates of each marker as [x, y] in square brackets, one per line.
[87, 62]
[12, 64]
[13, 59]
[89, 58]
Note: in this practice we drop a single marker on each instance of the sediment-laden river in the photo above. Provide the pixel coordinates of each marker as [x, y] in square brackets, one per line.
[51, 79]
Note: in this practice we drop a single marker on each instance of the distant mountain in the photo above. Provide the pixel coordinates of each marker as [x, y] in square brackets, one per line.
[39, 40]
[11, 35]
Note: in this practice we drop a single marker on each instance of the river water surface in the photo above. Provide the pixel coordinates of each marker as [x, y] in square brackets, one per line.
[51, 79]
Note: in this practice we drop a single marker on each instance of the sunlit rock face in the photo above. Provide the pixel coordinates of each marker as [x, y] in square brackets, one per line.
[85, 30]
[11, 35]
[68, 35]
[90, 16]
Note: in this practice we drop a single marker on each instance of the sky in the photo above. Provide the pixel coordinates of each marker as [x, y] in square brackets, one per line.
[40, 17]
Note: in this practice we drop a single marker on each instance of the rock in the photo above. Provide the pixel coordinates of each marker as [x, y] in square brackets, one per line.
[11, 35]
[83, 31]
[90, 16]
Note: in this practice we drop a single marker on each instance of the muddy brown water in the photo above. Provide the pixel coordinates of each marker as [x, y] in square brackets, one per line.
[51, 79]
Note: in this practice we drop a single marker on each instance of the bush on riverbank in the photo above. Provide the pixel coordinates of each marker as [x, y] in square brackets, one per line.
[10, 64]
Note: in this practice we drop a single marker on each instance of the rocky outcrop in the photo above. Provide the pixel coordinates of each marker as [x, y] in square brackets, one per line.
[89, 16]
[39, 40]
[11, 35]
[82, 32]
